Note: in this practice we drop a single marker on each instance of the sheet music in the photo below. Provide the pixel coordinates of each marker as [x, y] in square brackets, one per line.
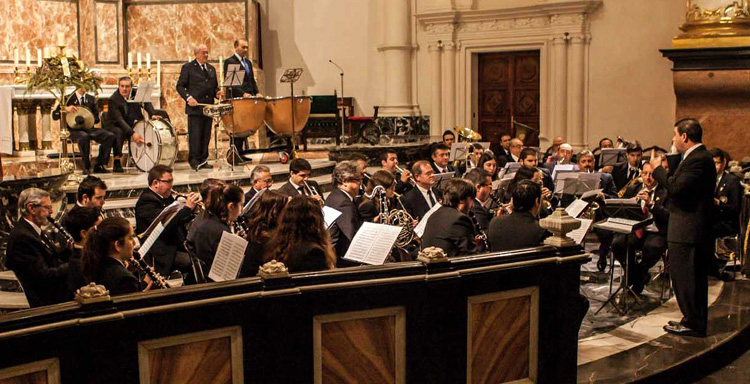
[587, 182]
[143, 94]
[631, 201]
[330, 215]
[228, 258]
[612, 156]
[562, 168]
[234, 75]
[143, 250]
[419, 230]
[591, 193]
[565, 183]
[373, 243]
[579, 234]
[576, 207]
[459, 151]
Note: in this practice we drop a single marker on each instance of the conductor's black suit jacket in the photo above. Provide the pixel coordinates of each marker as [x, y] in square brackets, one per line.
[345, 227]
[201, 86]
[41, 272]
[450, 230]
[248, 82]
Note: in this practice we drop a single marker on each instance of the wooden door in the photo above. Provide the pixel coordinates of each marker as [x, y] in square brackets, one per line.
[508, 88]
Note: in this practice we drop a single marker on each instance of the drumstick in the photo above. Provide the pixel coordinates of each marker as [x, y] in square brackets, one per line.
[204, 104]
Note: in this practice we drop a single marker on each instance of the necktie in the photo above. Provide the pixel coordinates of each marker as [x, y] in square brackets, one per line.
[302, 191]
[432, 199]
[205, 71]
[631, 174]
[244, 65]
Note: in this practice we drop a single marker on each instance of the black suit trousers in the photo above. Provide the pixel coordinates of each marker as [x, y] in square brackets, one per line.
[199, 135]
[83, 140]
[688, 271]
[119, 136]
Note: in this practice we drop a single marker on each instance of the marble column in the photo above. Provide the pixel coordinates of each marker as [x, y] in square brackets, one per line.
[436, 121]
[46, 111]
[26, 147]
[559, 87]
[397, 50]
[576, 81]
[449, 86]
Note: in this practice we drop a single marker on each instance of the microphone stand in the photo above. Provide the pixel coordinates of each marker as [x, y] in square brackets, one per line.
[343, 115]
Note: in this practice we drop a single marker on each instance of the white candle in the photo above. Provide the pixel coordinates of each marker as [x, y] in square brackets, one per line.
[130, 60]
[158, 72]
[15, 57]
[60, 39]
[138, 60]
[28, 58]
[38, 57]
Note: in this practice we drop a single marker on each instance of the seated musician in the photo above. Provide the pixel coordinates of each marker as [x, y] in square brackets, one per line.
[503, 152]
[421, 199]
[389, 162]
[361, 160]
[301, 241]
[83, 137]
[78, 222]
[516, 146]
[262, 221]
[472, 159]
[449, 138]
[208, 185]
[564, 155]
[483, 184]
[223, 208]
[369, 207]
[347, 177]
[535, 175]
[652, 240]
[728, 202]
[488, 162]
[530, 157]
[148, 207]
[551, 152]
[586, 164]
[248, 87]
[624, 174]
[261, 179]
[122, 117]
[521, 228]
[440, 156]
[603, 143]
[450, 227]
[92, 192]
[299, 181]
[39, 267]
[105, 254]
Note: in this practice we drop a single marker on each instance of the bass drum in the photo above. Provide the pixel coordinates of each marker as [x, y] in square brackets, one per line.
[159, 147]
[246, 116]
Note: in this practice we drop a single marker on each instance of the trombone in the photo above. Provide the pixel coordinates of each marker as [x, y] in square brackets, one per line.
[310, 191]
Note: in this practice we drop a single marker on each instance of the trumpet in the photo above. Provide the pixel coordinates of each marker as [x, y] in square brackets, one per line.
[310, 191]
[179, 195]
[411, 177]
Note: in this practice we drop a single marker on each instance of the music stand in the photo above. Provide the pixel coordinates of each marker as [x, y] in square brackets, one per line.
[291, 76]
[233, 77]
[142, 94]
[612, 156]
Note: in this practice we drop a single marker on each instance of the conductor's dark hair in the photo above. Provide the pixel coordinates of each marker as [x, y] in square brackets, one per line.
[88, 186]
[439, 146]
[80, 219]
[692, 128]
[157, 172]
[448, 132]
[458, 190]
[298, 165]
[525, 195]
[526, 152]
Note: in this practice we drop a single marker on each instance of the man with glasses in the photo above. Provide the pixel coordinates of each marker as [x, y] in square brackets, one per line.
[516, 146]
[347, 177]
[261, 178]
[483, 183]
[39, 267]
[151, 202]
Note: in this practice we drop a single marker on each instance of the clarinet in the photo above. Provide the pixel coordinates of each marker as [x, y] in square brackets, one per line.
[482, 235]
[143, 267]
[68, 237]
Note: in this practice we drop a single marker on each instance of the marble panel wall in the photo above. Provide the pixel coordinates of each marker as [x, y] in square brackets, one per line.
[34, 24]
[106, 31]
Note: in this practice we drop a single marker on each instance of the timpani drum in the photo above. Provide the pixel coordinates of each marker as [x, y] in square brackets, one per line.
[279, 114]
[159, 146]
[246, 116]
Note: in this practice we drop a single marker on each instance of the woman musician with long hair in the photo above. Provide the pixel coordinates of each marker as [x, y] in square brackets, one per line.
[263, 218]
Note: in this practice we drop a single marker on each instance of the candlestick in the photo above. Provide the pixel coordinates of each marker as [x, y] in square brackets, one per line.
[158, 72]
[139, 61]
[60, 39]
[148, 60]
[38, 57]
[15, 57]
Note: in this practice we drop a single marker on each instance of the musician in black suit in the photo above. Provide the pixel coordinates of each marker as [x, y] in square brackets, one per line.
[440, 156]
[472, 159]
[530, 157]
[347, 178]
[77, 222]
[603, 143]
[248, 87]
[728, 202]
[261, 179]
[83, 137]
[421, 199]
[503, 153]
[389, 162]
[563, 156]
[147, 209]
[197, 84]
[122, 117]
[690, 191]
[482, 182]
[39, 267]
[299, 181]
[521, 228]
[586, 164]
[624, 173]
[450, 227]
[652, 240]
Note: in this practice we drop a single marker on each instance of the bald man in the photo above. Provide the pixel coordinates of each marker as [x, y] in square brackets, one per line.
[198, 85]
[552, 150]
[516, 146]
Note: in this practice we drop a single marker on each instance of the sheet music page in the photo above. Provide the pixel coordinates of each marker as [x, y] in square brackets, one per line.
[228, 258]
[565, 183]
[579, 234]
[562, 168]
[373, 243]
[330, 215]
[576, 207]
[419, 230]
[591, 193]
[631, 201]
[460, 150]
[151, 239]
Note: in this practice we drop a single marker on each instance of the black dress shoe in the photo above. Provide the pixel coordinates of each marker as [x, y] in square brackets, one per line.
[601, 264]
[682, 330]
[207, 166]
[100, 169]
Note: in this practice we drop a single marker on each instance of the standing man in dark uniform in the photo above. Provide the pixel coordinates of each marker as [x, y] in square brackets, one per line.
[690, 190]
[198, 85]
[83, 137]
[249, 87]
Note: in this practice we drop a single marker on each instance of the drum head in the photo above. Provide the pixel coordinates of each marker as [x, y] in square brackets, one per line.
[159, 147]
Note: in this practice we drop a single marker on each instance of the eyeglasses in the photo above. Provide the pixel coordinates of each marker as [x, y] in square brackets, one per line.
[168, 181]
[47, 207]
[267, 181]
